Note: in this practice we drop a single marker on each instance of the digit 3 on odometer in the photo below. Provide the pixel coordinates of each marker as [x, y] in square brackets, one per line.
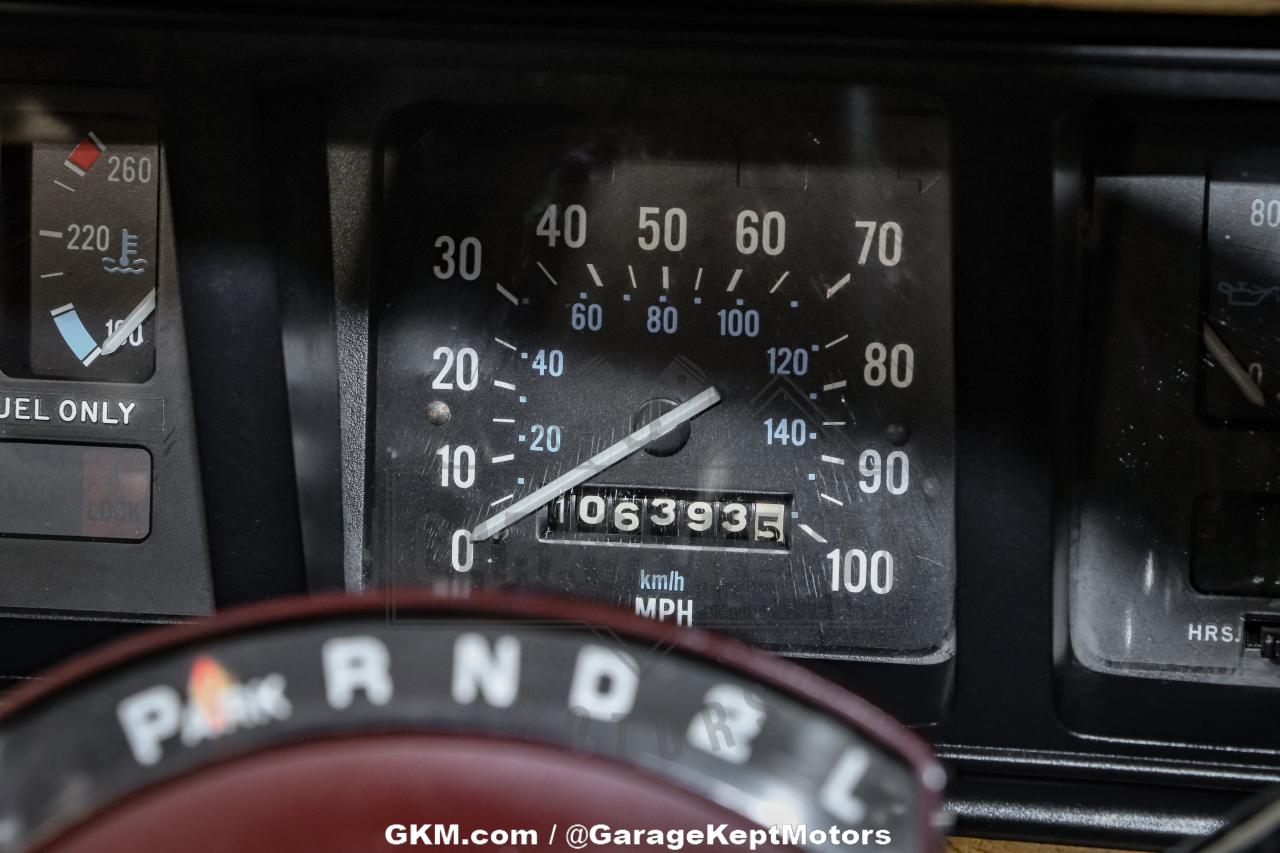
[703, 375]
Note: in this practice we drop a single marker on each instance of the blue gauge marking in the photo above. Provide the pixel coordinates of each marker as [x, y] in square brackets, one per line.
[77, 337]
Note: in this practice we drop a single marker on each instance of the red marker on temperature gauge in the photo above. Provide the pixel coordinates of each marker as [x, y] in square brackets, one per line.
[85, 154]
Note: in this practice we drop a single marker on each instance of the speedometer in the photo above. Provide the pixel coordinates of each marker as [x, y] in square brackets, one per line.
[686, 354]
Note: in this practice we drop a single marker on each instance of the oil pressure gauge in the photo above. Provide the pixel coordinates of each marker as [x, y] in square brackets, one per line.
[1176, 536]
[1240, 373]
[80, 266]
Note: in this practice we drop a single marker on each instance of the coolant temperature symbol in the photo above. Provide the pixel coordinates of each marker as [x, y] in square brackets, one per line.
[126, 263]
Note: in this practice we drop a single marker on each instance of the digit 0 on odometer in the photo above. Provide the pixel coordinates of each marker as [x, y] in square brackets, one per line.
[695, 362]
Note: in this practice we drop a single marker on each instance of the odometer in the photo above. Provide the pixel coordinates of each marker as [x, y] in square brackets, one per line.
[690, 358]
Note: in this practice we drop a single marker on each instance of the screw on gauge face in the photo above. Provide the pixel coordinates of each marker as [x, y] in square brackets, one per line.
[438, 413]
[898, 434]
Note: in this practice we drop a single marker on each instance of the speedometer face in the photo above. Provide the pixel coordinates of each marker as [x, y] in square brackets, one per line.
[699, 369]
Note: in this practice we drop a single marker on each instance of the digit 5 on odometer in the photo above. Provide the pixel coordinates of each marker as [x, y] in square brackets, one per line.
[686, 354]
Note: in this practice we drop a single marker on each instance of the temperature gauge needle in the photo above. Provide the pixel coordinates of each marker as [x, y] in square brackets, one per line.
[1225, 357]
[135, 319]
[606, 458]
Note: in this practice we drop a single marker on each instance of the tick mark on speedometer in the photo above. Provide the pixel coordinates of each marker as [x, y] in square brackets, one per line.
[508, 294]
[549, 276]
[779, 282]
[733, 282]
[813, 534]
[595, 276]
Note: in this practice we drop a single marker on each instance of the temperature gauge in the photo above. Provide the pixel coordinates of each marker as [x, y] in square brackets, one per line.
[80, 272]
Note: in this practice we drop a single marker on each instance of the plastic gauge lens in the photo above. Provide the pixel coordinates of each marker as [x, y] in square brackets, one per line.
[79, 277]
[701, 372]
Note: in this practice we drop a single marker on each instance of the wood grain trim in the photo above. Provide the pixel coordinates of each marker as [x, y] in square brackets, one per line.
[988, 845]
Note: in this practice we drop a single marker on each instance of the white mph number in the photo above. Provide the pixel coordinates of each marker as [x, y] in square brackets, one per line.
[854, 571]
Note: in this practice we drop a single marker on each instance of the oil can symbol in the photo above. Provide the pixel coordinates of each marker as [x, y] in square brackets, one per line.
[1242, 294]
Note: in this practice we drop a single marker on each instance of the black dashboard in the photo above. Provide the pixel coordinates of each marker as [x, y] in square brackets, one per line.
[935, 349]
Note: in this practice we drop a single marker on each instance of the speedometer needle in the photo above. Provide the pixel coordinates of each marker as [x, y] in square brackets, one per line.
[140, 313]
[607, 458]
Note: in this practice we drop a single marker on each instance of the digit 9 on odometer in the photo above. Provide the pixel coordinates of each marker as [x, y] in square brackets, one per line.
[699, 369]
